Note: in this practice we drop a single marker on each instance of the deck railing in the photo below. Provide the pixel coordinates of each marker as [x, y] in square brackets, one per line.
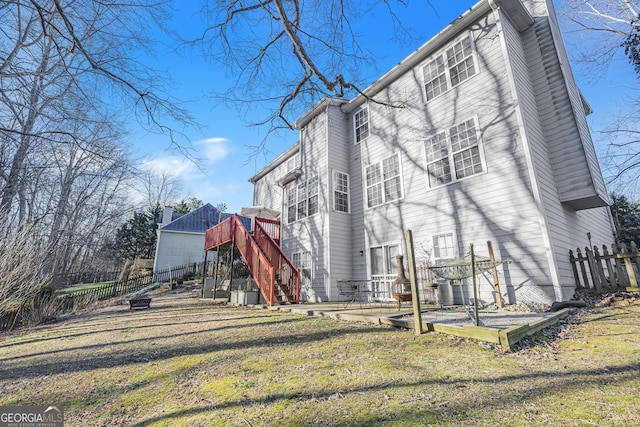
[287, 275]
[267, 262]
[271, 227]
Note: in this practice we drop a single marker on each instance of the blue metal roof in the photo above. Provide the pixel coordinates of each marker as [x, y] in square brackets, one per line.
[202, 219]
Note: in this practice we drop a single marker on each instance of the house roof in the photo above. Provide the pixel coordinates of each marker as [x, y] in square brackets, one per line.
[174, 216]
[200, 220]
[276, 162]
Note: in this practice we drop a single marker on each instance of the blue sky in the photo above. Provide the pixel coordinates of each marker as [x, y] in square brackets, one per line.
[221, 145]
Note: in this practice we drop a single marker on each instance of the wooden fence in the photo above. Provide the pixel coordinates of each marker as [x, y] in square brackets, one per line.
[613, 269]
[117, 288]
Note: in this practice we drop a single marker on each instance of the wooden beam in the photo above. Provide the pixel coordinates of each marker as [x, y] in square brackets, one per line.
[494, 271]
[415, 296]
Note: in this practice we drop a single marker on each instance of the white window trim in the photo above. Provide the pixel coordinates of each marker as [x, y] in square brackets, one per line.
[443, 54]
[433, 246]
[296, 189]
[454, 179]
[334, 190]
[300, 258]
[385, 248]
[366, 187]
[355, 135]
[293, 163]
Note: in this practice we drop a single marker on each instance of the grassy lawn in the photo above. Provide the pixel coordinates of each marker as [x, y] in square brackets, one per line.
[79, 288]
[187, 363]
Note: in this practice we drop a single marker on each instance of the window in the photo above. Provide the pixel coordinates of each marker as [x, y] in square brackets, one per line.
[435, 78]
[383, 259]
[444, 246]
[439, 75]
[460, 61]
[293, 163]
[302, 200]
[454, 154]
[302, 260]
[384, 269]
[361, 124]
[340, 191]
[383, 181]
[444, 249]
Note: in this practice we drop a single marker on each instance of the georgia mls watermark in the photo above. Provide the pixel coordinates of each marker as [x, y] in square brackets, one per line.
[31, 416]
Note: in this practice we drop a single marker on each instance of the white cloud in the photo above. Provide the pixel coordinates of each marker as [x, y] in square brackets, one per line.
[172, 165]
[212, 149]
[207, 152]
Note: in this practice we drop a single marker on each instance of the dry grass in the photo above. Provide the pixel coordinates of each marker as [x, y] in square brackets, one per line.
[188, 363]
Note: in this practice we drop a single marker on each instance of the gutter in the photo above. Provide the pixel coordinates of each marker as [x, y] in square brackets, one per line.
[275, 162]
[516, 11]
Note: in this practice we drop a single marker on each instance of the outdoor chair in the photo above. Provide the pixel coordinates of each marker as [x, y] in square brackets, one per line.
[347, 291]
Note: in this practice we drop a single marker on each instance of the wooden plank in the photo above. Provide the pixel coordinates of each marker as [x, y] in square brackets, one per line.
[629, 267]
[494, 272]
[417, 315]
[583, 270]
[573, 261]
[593, 269]
[480, 333]
[610, 270]
[598, 267]
[509, 337]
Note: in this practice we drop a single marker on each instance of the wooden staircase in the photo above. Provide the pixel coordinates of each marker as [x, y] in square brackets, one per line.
[275, 275]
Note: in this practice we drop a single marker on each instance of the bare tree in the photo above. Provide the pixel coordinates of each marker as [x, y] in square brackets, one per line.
[600, 28]
[22, 258]
[603, 33]
[69, 78]
[286, 55]
[52, 52]
[161, 188]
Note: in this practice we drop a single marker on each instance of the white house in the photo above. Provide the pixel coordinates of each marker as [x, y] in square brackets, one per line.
[479, 135]
[181, 238]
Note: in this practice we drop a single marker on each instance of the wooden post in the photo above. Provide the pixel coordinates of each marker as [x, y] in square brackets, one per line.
[626, 257]
[215, 272]
[415, 297]
[231, 271]
[475, 284]
[204, 271]
[621, 281]
[494, 270]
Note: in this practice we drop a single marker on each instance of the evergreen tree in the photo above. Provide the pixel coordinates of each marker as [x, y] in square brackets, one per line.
[626, 216]
[188, 205]
[137, 237]
[631, 45]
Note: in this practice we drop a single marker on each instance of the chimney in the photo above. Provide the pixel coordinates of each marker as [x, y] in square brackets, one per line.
[167, 213]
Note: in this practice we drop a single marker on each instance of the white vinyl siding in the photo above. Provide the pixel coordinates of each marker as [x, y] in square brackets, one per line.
[449, 69]
[361, 124]
[340, 191]
[454, 154]
[302, 200]
[383, 181]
